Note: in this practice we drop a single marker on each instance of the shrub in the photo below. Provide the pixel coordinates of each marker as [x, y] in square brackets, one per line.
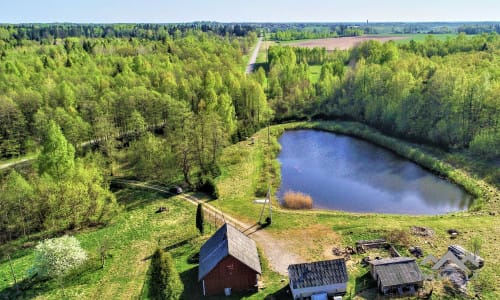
[297, 200]
[165, 280]
[398, 237]
[56, 257]
[207, 185]
[200, 218]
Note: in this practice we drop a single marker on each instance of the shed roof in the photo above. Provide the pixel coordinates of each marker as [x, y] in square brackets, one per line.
[228, 241]
[317, 273]
[397, 271]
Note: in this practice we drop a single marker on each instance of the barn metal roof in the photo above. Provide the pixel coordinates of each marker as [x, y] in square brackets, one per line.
[397, 271]
[317, 273]
[228, 241]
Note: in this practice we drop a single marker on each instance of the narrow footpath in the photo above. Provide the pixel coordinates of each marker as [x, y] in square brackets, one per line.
[277, 252]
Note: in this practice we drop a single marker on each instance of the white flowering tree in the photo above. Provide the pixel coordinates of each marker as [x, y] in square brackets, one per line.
[56, 257]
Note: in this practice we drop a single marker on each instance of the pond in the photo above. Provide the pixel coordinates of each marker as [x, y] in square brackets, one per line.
[344, 173]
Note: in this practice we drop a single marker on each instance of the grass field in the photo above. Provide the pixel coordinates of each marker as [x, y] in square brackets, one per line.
[134, 234]
[131, 238]
[422, 36]
[314, 233]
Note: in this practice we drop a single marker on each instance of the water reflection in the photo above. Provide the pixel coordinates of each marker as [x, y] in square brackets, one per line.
[345, 173]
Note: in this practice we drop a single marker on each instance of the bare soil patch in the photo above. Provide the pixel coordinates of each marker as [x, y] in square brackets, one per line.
[314, 242]
[343, 43]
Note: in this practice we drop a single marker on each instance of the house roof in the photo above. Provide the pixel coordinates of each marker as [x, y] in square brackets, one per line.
[228, 241]
[317, 273]
[397, 271]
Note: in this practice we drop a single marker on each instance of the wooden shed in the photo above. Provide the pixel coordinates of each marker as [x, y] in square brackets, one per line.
[228, 262]
[399, 275]
[318, 280]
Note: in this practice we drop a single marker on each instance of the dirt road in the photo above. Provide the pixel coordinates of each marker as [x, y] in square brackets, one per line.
[253, 58]
[11, 164]
[278, 252]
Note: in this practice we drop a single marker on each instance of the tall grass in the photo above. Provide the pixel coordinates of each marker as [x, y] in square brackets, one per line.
[297, 200]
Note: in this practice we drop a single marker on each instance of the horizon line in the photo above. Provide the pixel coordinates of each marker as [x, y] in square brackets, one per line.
[247, 22]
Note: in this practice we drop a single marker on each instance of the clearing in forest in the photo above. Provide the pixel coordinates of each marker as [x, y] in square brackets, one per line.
[342, 43]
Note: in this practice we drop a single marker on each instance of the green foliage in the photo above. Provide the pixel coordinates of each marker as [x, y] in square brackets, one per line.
[443, 93]
[200, 218]
[207, 185]
[486, 144]
[166, 283]
[56, 257]
[289, 87]
[132, 236]
[16, 203]
[57, 158]
[149, 155]
[12, 128]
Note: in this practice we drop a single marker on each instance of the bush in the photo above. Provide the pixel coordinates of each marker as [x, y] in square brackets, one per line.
[297, 200]
[56, 257]
[399, 237]
[207, 186]
[165, 280]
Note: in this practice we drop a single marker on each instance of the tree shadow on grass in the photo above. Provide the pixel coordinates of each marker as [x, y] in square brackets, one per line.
[34, 287]
[136, 198]
[27, 289]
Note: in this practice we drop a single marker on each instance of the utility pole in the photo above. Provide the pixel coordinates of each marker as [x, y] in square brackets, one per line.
[270, 205]
[269, 171]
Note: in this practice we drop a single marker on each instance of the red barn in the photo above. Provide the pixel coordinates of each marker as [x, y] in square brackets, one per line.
[228, 262]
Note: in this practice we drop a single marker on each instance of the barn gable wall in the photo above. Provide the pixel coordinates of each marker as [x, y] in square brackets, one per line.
[229, 273]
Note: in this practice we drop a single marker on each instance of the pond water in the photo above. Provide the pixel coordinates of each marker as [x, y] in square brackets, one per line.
[344, 173]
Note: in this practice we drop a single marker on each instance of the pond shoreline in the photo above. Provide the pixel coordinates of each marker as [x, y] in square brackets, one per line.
[480, 191]
[341, 172]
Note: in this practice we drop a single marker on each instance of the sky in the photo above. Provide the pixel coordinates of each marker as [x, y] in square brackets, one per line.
[167, 11]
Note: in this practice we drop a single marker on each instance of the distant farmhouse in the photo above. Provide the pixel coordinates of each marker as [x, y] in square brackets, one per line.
[399, 275]
[318, 280]
[228, 262]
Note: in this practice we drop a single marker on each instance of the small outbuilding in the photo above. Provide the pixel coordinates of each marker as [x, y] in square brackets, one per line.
[399, 275]
[228, 262]
[318, 280]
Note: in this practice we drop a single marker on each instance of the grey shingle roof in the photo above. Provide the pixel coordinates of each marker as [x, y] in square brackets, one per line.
[397, 271]
[317, 273]
[228, 241]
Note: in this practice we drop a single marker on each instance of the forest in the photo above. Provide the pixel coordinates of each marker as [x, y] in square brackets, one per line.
[111, 95]
[165, 105]
[444, 93]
